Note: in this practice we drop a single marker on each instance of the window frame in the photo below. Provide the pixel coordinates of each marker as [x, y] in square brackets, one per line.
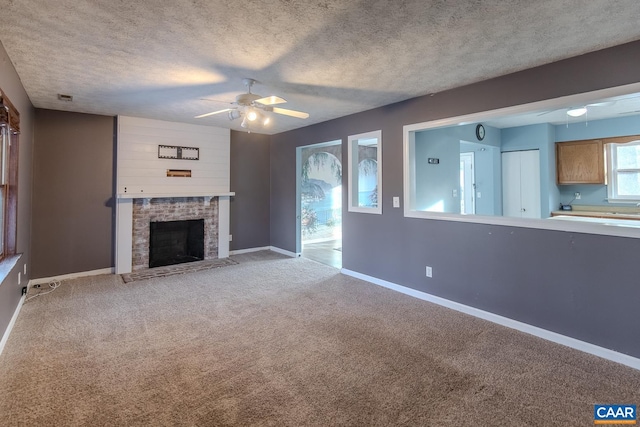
[612, 173]
[352, 158]
[408, 143]
[10, 122]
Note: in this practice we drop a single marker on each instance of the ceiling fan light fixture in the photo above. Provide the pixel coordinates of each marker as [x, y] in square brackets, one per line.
[244, 123]
[266, 121]
[577, 112]
[252, 115]
[233, 114]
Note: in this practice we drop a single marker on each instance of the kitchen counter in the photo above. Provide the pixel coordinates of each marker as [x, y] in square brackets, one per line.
[608, 212]
[615, 222]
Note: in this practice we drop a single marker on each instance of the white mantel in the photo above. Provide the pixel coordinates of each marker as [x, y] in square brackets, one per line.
[168, 195]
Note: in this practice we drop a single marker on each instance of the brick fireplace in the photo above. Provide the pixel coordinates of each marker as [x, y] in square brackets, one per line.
[147, 211]
[135, 215]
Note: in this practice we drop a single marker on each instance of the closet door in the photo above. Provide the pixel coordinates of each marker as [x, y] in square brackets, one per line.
[521, 184]
[530, 183]
[511, 184]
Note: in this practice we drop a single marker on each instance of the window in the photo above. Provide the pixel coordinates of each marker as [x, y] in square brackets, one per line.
[623, 171]
[9, 131]
[427, 193]
[365, 172]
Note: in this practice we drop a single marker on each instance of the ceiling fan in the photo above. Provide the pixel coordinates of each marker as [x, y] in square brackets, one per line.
[254, 108]
[581, 109]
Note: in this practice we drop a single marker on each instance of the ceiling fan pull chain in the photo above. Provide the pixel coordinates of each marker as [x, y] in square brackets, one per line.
[586, 118]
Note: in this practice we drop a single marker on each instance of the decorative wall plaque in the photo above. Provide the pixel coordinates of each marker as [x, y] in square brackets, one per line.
[180, 173]
[180, 153]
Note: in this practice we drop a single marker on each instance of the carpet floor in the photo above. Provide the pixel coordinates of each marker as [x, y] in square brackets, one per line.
[276, 341]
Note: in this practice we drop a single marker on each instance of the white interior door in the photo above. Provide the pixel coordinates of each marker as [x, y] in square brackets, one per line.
[521, 184]
[511, 184]
[467, 184]
[530, 183]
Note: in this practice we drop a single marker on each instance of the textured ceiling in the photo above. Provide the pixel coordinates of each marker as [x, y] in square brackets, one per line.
[330, 58]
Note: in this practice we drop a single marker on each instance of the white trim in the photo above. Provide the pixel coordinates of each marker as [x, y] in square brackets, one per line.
[223, 226]
[586, 347]
[5, 337]
[175, 195]
[571, 227]
[612, 170]
[352, 162]
[124, 235]
[246, 251]
[548, 104]
[285, 252]
[42, 280]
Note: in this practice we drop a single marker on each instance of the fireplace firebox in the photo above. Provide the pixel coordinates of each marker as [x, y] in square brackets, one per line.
[176, 242]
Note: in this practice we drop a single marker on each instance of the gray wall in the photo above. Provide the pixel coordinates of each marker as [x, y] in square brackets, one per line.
[73, 187]
[250, 181]
[580, 285]
[9, 288]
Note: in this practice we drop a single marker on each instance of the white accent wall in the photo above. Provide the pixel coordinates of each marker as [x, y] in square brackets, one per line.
[140, 173]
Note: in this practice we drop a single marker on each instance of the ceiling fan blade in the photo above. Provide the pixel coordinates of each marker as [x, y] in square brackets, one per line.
[271, 100]
[211, 114]
[292, 113]
[216, 100]
[602, 104]
[546, 112]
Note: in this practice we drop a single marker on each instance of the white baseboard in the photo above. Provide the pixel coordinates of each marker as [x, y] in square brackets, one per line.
[110, 270]
[285, 252]
[246, 251]
[266, 248]
[586, 347]
[5, 337]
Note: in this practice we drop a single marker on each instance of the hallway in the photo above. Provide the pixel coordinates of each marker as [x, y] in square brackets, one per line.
[328, 252]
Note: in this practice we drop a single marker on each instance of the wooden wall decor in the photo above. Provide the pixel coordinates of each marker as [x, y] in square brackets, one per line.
[179, 173]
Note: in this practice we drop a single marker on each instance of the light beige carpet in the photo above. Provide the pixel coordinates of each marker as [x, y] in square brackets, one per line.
[278, 341]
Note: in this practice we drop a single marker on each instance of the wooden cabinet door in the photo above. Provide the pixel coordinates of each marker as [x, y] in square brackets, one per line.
[580, 162]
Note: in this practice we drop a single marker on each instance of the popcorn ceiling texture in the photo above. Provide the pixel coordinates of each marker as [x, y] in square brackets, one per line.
[331, 58]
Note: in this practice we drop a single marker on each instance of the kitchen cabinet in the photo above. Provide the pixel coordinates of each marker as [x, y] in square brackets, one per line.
[580, 162]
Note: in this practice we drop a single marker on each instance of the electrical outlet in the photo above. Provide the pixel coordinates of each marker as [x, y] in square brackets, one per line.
[454, 193]
[396, 202]
[577, 195]
[230, 237]
[429, 271]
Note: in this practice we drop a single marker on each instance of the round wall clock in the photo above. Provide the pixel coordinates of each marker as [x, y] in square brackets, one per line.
[480, 132]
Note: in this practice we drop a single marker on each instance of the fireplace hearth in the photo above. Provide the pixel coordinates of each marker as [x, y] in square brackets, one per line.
[176, 242]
